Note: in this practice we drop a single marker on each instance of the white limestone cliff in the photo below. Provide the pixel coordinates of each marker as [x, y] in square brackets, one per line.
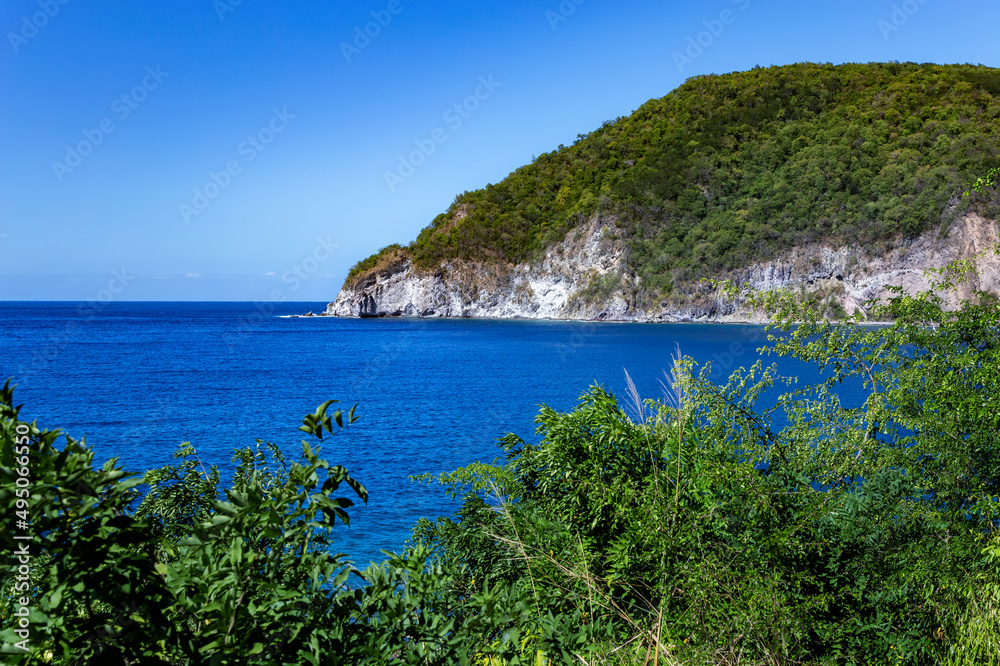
[584, 277]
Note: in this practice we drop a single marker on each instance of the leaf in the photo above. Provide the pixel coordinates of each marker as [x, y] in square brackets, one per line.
[236, 551]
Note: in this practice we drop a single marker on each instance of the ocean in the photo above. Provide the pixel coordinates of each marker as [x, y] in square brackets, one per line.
[137, 379]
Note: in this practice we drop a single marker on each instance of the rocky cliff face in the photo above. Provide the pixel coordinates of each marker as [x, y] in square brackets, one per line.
[584, 277]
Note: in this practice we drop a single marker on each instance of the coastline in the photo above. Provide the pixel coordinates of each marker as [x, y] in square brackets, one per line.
[726, 322]
[583, 279]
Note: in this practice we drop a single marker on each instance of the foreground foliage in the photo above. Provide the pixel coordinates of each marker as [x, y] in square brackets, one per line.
[242, 576]
[721, 525]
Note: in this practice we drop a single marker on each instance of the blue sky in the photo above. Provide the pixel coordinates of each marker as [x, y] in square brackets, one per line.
[238, 150]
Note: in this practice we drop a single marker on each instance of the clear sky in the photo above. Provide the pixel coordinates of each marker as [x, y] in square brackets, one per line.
[239, 149]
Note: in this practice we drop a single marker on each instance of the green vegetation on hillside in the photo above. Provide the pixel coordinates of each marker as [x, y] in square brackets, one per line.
[727, 169]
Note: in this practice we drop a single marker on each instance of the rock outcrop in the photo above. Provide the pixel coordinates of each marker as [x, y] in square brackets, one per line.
[585, 277]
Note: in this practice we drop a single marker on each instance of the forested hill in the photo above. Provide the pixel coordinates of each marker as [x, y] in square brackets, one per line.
[727, 169]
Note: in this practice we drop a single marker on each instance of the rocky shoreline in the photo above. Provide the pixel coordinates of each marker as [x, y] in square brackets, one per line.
[583, 278]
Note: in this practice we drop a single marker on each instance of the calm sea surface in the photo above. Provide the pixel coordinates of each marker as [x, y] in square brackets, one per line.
[137, 379]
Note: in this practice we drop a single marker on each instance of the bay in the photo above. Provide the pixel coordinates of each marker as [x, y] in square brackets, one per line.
[137, 379]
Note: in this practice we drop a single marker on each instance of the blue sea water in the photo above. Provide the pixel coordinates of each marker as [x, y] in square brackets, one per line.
[137, 379]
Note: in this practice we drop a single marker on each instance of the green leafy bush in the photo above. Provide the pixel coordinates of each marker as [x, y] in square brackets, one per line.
[244, 576]
[700, 531]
